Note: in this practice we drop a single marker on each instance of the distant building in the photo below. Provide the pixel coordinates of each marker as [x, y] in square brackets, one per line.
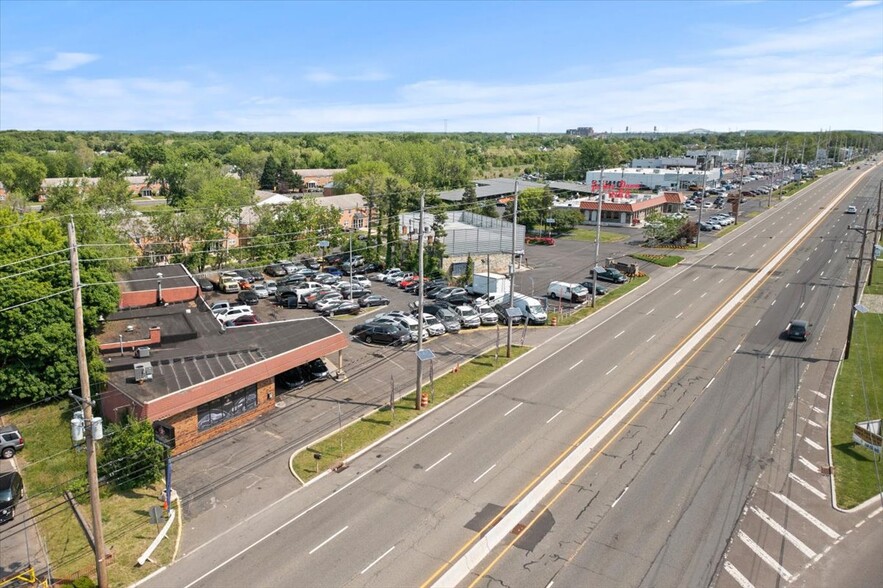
[581, 131]
[315, 179]
[630, 211]
[656, 178]
[495, 188]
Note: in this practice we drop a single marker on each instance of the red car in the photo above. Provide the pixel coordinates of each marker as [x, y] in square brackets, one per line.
[242, 320]
[410, 282]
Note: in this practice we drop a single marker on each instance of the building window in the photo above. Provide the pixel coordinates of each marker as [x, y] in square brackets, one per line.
[212, 414]
[610, 215]
[146, 192]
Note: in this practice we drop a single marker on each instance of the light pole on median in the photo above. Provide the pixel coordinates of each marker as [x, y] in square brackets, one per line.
[512, 274]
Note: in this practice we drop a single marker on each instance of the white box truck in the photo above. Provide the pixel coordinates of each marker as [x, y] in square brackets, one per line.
[568, 291]
[488, 285]
[530, 308]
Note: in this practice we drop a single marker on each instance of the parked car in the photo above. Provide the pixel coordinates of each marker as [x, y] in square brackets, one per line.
[249, 297]
[469, 317]
[318, 370]
[395, 280]
[390, 334]
[797, 330]
[610, 275]
[599, 289]
[381, 277]
[450, 292]
[233, 312]
[11, 491]
[352, 291]
[275, 270]
[271, 287]
[329, 300]
[486, 314]
[851, 210]
[221, 307]
[242, 320]
[326, 278]
[205, 284]
[342, 307]
[448, 319]
[11, 441]
[362, 280]
[432, 325]
[295, 378]
[315, 299]
[310, 263]
[373, 300]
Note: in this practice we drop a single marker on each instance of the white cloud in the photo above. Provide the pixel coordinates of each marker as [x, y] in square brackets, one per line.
[862, 3]
[324, 76]
[67, 61]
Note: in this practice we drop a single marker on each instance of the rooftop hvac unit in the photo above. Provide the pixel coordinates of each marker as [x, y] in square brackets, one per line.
[142, 352]
[143, 372]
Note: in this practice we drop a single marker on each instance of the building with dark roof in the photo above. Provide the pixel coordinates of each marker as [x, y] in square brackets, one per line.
[178, 365]
[157, 285]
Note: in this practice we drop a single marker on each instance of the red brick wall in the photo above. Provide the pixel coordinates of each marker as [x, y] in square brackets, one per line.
[115, 404]
[142, 298]
[187, 436]
[190, 398]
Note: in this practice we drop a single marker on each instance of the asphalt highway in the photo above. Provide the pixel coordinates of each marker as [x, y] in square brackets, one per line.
[654, 503]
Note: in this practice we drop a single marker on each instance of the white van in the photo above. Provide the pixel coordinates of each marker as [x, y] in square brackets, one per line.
[568, 291]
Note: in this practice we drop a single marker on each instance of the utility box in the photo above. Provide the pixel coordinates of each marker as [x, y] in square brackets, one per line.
[143, 372]
[142, 352]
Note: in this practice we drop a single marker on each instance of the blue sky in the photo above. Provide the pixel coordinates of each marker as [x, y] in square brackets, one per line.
[417, 66]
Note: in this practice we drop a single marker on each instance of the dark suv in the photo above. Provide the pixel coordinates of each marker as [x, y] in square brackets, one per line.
[10, 441]
[797, 331]
[11, 491]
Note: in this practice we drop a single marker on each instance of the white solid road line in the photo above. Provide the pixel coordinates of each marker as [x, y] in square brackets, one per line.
[819, 524]
[438, 462]
[675, 427]
[809, 465]
[807, 485]
[576, 364]
[621, 494]
[378, 559]
[487, 471]
[319, 546]
[737, 575]
[554, 416]
[651, 337]
[618, 334]
[511, 410]
[789, 537]
[766, 557]
[812, 443]
[610, 371]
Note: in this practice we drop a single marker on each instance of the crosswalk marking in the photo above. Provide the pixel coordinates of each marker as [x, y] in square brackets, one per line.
[812, 443]
[737, 575]
[784, 533]
[809, 465]
[807, 485]
[796, 508]
[766, 557]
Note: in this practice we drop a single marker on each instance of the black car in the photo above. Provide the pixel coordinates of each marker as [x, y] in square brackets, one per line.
[275, 270]
[354, 292]
[384, 333]
[599, 289]
[245, 275]
[372, 267]
[205, 284]
[318, 370]
[343, 307]
[248, 297]
[310, 263]
[295, 378]
[11, 491]
[373, 300]
[258, 276]
[797, 331]
[335, 258]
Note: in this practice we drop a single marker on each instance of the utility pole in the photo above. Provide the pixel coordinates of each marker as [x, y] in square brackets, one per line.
[417, 395]
[512, 274]
[858, 279]
[876, 230]
[83, 367]
[598, 234]
[702, 204]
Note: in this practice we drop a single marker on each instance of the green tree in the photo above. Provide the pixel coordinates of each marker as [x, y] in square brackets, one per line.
[130, 457]
[662, 228]
[269, 174]
[489, 208]
[246, 162]
[534, 206]
[566, 219]
[22, 174]
[470, 200]
[115, 164]
[146, 155]
[171, 175]
[593, 154]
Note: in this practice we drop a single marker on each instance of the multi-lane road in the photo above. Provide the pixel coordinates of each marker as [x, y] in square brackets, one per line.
[621, 451]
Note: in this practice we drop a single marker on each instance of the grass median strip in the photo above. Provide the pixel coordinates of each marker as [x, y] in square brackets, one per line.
[580, 234]
[658, 259]
[858, 396]
[338, 447]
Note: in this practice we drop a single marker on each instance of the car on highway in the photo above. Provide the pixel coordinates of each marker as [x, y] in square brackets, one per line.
[851, 209]
[797, 330]
[11, 491]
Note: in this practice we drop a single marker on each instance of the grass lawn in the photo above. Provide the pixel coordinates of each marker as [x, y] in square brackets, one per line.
[663, 260]
[583, 234]
[49, 467]
[600, 301]
[859, 388]
[877, 286]
[358, 435]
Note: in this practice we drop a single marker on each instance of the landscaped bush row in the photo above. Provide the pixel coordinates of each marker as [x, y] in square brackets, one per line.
[539, 240]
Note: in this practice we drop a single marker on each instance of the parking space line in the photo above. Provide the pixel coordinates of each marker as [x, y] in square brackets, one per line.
[819, 524]
[818, 410]
[621, 494]
[789, 537]
[807, 485]
[766, 557]
[741, 580]
[651, 310]
[819, 394]
[511, 410]
[554, 416]
[812, 443]
[675, 427]
[809, 465]
[773, 303]
[439, 461]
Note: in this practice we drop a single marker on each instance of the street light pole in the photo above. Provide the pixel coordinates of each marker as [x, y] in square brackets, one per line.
[858, 278]
[419, 304]
[597, 235]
